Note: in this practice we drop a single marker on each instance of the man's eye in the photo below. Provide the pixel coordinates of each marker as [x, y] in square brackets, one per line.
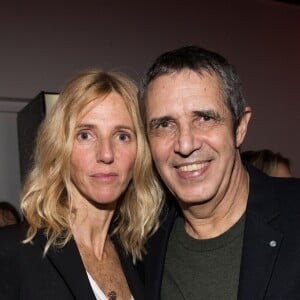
[206, 118]
[161, 125]
[164, 124]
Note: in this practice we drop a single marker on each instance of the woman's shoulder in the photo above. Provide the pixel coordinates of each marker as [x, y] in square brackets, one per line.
[11, 236]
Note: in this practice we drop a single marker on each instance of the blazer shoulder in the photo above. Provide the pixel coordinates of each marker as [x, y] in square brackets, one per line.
[287, 190]
[289, 185]
[12, 236]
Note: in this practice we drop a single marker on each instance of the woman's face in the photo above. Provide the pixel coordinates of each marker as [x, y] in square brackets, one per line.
[104, 151]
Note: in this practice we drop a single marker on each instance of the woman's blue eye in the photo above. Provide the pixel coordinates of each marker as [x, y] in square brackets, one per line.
[123, 137]
[83, 135]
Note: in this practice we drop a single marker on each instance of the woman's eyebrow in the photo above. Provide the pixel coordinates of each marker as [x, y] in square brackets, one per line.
[92, 126]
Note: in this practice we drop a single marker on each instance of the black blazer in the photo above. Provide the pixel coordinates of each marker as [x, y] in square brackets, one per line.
[60, 275]
[270, 266]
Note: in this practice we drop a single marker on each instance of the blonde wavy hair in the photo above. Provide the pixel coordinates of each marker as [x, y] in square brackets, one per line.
[46, 202]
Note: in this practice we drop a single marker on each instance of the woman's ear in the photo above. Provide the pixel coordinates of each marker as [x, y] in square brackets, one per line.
[242, 127]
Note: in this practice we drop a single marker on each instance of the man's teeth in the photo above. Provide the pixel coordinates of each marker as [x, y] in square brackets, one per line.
[192, 167]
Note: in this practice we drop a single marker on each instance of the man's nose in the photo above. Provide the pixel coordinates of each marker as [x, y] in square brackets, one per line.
[186, 141]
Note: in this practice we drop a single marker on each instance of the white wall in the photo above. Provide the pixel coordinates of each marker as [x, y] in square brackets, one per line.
[9, 159]
[43, 43]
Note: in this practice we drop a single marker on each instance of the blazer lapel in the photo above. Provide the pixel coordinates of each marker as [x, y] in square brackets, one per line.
[261, 247]
[69, 265]
[158, 247]
[261, 240]
[135, 284]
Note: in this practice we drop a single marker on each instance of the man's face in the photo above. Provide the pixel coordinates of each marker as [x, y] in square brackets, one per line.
[191, 135]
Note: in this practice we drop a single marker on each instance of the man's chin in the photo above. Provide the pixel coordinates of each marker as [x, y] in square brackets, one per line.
[192, 199]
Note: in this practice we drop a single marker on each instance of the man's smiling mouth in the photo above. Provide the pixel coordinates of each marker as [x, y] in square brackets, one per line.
[192, 167]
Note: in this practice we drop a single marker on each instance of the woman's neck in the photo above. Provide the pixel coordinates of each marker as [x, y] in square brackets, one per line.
[90, 227]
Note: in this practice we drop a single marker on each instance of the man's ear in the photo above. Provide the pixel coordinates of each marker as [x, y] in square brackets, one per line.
[242, 127]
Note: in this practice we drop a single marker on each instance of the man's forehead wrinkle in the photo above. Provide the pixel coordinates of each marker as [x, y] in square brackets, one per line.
[186, 92]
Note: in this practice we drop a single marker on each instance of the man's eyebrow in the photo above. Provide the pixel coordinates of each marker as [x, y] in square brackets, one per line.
[208, 113]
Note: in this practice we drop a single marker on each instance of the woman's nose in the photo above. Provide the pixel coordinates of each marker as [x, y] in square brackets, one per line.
[105, 153]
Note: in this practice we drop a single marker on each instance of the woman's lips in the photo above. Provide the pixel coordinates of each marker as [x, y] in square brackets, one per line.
[104, 177]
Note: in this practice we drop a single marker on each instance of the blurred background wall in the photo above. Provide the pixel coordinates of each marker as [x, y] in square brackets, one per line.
[42, 45]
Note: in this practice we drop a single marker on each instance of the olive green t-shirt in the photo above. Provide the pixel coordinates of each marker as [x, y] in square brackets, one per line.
[202, 269]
